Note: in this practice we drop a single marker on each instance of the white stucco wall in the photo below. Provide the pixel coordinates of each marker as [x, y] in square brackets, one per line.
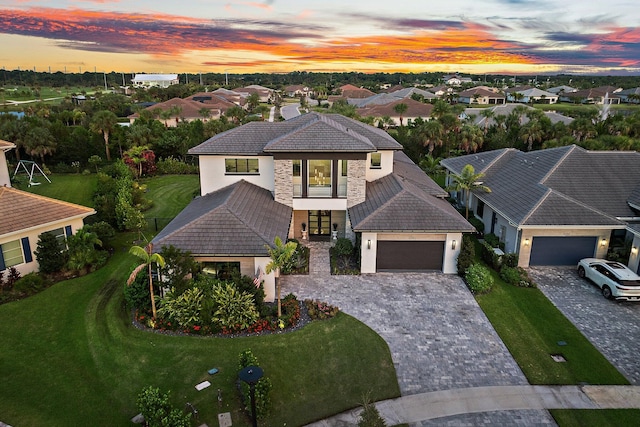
[4, 171]
[634, 258]
[386, 166]
[213, 176]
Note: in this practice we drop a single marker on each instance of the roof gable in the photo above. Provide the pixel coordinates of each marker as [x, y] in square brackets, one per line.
[241, 219]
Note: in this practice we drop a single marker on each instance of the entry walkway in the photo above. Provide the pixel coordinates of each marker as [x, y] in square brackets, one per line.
[441, 404]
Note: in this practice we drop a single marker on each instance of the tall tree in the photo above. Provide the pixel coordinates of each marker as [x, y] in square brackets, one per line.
[431, 133]
[39, 142]
[280, 254]
[104, 122]
[148, 257]
[467, 181]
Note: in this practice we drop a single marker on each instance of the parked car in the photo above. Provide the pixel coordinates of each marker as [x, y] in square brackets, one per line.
[614, 279]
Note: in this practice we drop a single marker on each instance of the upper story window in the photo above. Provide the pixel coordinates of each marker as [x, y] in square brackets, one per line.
[343, 168]
[297, 167]
[241, 166]
[376, 161]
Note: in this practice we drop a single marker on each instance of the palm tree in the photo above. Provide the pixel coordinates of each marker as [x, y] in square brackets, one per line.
[148, 258]
[470, 138]
[104, 122]
[467, 181]
[488, 114]
[280, 254]
[39, 142]
[400, 109]
[431, 132]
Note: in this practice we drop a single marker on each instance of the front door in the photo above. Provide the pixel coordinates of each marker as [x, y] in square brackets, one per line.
[319, 223]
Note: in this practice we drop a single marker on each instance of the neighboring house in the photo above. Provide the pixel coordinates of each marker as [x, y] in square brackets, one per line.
[149, 80]
[387, 98]
[415, 109]
[526, 95]
[179, 110]
[232, 96]
[25, 216]
[597, 95]
[264, 93]
[631, 96]
[505, 110]
[212, 100]
[456, 80]
[351, 91]
[560, 90]
[298, 90]
[479, 95]
[556, 206]
[316, 173]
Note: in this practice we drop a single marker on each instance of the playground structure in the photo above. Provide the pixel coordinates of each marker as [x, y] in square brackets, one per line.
[30, 168]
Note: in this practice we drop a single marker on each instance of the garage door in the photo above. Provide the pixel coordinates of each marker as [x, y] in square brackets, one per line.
[409, 255]
[561, 250]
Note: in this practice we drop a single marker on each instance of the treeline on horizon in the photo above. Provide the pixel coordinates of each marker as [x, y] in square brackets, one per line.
[370, 81]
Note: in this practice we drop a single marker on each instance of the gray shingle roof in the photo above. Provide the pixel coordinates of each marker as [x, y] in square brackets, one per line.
[558, 186]
[394, 203]
[236, 220]
[307, 133]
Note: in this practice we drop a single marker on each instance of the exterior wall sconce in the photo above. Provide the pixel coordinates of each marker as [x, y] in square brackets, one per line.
[634, 250]
[368, 244]
[453, 244]
[526, 242]
[603, 242]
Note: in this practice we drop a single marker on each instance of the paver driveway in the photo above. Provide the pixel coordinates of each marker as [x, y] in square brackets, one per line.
[438, 336]
[613, 327]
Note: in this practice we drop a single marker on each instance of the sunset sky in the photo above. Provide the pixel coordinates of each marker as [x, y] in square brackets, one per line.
[467, 36]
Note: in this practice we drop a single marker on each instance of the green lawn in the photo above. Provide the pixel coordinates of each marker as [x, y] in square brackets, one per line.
[72, 188]
[69, 355]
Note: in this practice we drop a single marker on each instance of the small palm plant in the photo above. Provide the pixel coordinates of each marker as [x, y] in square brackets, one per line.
[148, 257]
[280, 255]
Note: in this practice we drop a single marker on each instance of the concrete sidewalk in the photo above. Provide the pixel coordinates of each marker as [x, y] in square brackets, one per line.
[438, 404]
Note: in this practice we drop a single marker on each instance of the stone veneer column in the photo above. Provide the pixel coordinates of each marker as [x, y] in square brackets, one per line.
[283, 185]
[356, 182]
[348, 231]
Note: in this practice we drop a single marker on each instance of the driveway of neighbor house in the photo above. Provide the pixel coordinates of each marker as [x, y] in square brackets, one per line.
[438, 336]
[613, 327]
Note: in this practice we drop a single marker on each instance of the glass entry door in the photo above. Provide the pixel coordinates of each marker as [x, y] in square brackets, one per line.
[320, 223]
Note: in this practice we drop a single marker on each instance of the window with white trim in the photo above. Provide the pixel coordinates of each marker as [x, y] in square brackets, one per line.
[376, 161]
[12, 253]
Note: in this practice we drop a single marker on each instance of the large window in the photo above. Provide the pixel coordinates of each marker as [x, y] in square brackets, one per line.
[319, 178]
[224, 270]
[376, 160]
[11, 254]
[60, 236]
[297, 178]
[241, 166]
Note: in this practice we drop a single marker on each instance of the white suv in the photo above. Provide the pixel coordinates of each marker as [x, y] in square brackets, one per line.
[614, 279]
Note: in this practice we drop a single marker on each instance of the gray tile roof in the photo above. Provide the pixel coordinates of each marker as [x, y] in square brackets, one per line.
[394, 203]
[558, 186]
[239, 220]
[311, 132]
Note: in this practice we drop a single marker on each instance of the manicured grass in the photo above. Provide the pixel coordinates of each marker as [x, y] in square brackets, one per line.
[72, 188]
[531, 327]
[170, 194]
[69, 355]
[596, 417]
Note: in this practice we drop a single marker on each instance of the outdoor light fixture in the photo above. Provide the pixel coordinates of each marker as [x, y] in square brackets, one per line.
[603, 242]
[526, 242]
[453, 244]
[634, 250]
[368, 244]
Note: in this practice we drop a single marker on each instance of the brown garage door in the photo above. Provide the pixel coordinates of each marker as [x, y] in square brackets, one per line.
[409, 255]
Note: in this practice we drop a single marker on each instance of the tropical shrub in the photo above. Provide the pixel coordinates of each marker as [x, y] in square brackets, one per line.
[516, 276]
[510, 260]
[30, 284]
[179, 268]
[136, 295]
[319, 310]
[491, 257]
[492, 240]
[290, 310]
[158, 412]
[370, 416]
[12, 278]
[183, 309]
[479, 279]
[235, 310]
[173, 166]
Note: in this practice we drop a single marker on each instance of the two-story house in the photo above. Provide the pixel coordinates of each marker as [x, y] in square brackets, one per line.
[306, 178]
